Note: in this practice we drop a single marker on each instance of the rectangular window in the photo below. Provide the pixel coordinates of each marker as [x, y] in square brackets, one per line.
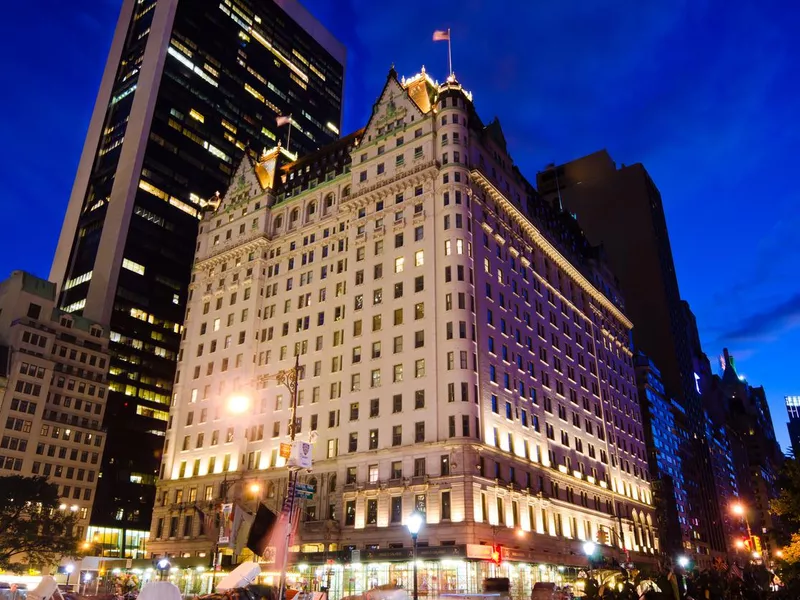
[372, 511]
[445, 506]
[396, 512]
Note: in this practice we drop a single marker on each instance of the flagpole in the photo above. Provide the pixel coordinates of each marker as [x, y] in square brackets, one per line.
[449, 53]
[289, 136]
[293, 471]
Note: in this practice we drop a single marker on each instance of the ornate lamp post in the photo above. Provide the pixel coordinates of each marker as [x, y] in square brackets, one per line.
[163, 566]
[589, 550]
[414, 524]
[69, 570]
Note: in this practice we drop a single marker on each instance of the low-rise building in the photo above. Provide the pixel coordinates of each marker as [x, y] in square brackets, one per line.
[55, 367]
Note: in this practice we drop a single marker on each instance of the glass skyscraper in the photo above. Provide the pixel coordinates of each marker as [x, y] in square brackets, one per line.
[188, 88]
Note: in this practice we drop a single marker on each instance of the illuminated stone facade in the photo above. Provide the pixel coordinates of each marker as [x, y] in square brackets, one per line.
[54, 373]
[463, 348]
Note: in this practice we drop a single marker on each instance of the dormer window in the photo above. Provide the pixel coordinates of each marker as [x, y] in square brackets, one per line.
[66, 322]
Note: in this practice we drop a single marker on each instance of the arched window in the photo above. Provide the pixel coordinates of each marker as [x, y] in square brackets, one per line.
[271, 489]
[310, 210]
[293, 217]
[278, 223]
[332, 483]
[346, 191]
[313, 483]
[328, 203]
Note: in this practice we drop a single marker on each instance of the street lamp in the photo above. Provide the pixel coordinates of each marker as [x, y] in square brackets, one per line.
[683, 562]
[69, 570]
[238, 404]
[739, 510]
[414, 524]
[163, 566]
[589, 549]
[87, 577]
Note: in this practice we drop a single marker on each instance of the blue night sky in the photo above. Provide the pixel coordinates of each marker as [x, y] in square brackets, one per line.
[703, 93]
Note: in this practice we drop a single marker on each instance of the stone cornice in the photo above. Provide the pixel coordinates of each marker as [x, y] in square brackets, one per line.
[391, 184]
[255, 242]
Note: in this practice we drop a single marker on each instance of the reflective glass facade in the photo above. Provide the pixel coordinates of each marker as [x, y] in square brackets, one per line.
[663, 432]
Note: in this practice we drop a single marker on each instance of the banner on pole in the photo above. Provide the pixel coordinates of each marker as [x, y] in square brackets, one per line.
[285, 450]
[226, 524]
[301, 455]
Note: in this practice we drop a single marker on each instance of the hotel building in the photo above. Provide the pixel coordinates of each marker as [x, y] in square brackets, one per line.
[54, 369]
[464, 355]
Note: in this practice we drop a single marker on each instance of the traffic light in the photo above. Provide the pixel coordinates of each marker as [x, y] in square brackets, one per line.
[497, 554]
[602, 537]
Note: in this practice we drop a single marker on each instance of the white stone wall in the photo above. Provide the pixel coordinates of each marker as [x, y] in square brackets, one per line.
[355, 271]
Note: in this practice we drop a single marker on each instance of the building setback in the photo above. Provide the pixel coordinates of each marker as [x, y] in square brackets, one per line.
[54, 392]
[188, 88]
[755, 456]
[459, 359]
[793, 410]
[621, 209]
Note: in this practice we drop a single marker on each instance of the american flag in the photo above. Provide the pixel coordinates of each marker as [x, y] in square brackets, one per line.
[282, 120]
[208, 519]
[441, 35]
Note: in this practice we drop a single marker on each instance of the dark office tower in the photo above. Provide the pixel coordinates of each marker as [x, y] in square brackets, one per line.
[189, 87]
[793, 408]
[622, 210]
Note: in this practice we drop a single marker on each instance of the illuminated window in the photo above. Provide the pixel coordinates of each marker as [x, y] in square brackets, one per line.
[419, 258]
[197, 116]
[75, 306]
[132, 266]
[253, 91]
[71, 283]
[399, 264]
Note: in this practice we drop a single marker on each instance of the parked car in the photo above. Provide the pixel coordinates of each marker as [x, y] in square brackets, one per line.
[544, 590]
[13, 591]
